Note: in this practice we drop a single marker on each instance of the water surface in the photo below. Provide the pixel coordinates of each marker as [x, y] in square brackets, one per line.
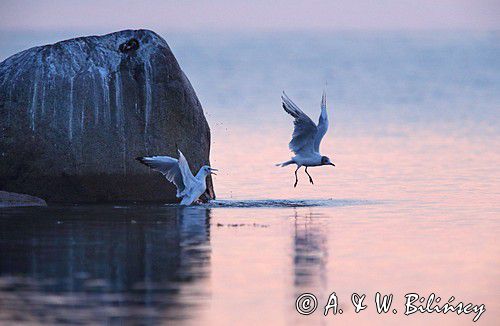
[411, 206]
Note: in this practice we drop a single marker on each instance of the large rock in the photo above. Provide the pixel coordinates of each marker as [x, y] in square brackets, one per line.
[75, 114]
[11, 199]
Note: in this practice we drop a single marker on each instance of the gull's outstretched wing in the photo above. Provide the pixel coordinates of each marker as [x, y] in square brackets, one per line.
[169, 167]
[187, 176]
[322, 123]
[305, 129]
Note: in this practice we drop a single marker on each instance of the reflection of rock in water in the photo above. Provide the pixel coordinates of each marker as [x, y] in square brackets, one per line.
[310, 251]
[99, 265]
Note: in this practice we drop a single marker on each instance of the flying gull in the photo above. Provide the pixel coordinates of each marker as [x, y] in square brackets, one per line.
[189, 187]
[306, 137]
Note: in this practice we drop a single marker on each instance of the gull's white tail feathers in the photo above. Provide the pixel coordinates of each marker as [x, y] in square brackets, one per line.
[285, 163]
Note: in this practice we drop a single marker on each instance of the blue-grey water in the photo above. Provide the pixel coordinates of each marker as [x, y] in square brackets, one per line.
[411, 206]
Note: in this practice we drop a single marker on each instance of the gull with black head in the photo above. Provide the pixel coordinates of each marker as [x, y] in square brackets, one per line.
[306, 137]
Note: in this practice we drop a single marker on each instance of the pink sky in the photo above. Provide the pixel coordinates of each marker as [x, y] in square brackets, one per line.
[185, 15]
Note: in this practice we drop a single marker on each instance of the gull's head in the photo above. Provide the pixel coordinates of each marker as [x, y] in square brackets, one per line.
[208, 170]
[325, 160]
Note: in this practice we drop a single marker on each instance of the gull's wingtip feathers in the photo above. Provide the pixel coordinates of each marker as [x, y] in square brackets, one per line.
[144, 160]
[180, 154]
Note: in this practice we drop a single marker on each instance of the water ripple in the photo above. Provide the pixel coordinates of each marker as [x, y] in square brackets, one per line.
[283, 203]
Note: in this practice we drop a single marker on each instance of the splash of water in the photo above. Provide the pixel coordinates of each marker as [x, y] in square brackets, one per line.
[282, 203]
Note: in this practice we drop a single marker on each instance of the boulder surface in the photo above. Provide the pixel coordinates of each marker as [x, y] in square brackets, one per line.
[11, 199]
[75, 114]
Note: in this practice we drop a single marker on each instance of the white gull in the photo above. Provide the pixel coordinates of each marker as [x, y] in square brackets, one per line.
[306, 137]
[189, 187]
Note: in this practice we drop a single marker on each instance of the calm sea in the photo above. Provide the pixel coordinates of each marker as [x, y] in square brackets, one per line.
[413, 204]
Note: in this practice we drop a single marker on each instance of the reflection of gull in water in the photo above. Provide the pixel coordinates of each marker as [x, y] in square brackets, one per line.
[310, 251]
[189, 187]
[306, 137]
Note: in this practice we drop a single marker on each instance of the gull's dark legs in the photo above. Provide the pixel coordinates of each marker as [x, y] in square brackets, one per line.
[310, 179]
[296, 177]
